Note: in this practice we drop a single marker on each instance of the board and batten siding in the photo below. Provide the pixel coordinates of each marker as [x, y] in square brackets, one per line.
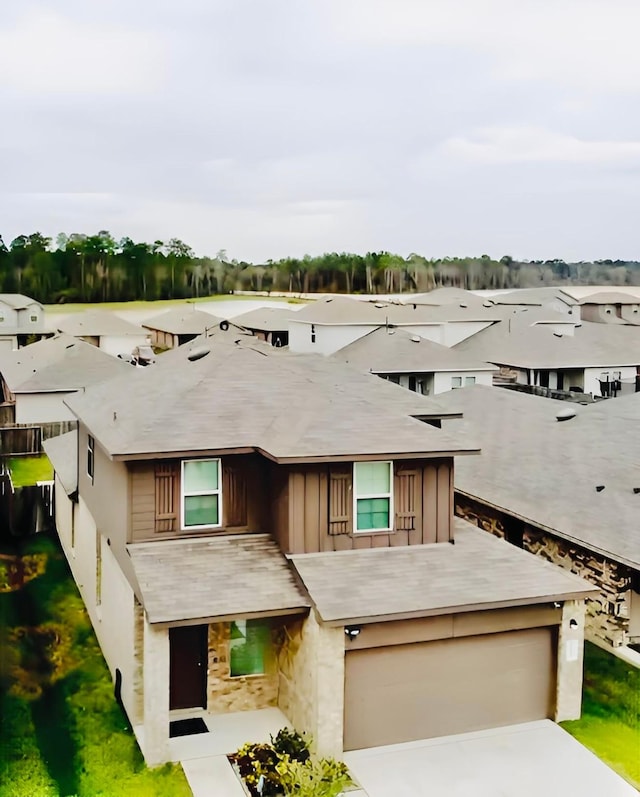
[155, 498]
[319, 503]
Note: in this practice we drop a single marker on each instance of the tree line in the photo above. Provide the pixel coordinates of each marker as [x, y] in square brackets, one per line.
[98, 268]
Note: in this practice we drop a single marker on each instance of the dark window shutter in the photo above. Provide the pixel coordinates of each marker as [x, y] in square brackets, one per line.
[234, 495]
[406, 482]
[340, 501]
[167, 500]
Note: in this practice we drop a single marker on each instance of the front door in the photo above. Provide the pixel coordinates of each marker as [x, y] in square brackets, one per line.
[188, 666]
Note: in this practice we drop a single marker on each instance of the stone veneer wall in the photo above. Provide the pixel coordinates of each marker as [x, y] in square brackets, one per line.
[311, 664]
[608, 612]
[243, 693]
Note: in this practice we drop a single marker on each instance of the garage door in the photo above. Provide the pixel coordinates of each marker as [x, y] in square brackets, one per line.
[421, 690]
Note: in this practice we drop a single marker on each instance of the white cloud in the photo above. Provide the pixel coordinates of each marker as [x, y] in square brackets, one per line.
[46, 52]
[537, 145]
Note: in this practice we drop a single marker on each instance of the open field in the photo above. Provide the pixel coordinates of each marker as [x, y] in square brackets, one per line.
[63, 734]
[610, 723]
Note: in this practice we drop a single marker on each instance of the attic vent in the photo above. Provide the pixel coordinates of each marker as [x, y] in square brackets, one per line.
[599, 488]
[463, 304]
[636, 490]
[558, 334]
[379, 305]
[487, 304]
[198, 354]
[391, 331]
[566, 415]
[415, 339]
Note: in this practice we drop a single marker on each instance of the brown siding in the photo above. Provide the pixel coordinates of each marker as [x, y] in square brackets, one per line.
[278, 482]
[320, 511]
[155, 501]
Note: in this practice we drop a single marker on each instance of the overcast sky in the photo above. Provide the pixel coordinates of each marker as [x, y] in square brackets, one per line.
[279, 127]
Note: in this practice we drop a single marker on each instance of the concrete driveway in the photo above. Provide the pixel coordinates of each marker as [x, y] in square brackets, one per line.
[536, 759]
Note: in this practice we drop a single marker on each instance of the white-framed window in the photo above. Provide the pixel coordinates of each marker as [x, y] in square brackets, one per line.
[34, 318]
[91, 458]
[456, 381]
[469, 380]
[201, 494]
[372, 496]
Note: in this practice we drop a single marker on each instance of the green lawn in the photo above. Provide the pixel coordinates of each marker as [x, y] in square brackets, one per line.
[62, 732]
[29, 470]
[160, 304]
[610, 723]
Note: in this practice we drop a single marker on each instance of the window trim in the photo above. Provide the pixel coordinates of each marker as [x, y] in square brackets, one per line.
[388, 495]
[184, 494]
[91, 457]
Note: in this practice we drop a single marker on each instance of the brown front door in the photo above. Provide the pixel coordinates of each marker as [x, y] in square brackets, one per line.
[188, 666]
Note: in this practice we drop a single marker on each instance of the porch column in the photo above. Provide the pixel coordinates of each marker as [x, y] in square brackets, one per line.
[570, 657]
[156, 695]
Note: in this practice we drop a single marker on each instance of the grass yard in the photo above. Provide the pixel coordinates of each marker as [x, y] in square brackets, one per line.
[29, 470]
[63, 734]
[610, 723]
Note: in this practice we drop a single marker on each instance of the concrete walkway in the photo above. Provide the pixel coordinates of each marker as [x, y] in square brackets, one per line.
[212, 777]
[536, 759]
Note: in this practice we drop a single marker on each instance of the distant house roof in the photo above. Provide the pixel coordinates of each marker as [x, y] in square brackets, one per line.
[395, 351]
[610, 297]
[243, 395]
[96, 323]
[266, 319]
[440, 296]
[228, 577]
[341, 310]
[534, 296]
[18, 301]
[61, 363]
[183, 320]
[546, 471]
[578, 292]
[63, 453]
[591, 345]
[478, 572]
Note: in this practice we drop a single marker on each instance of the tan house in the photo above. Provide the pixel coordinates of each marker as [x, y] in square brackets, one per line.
[561, 483]
[270, 324]
[179, 325]
[279, 531]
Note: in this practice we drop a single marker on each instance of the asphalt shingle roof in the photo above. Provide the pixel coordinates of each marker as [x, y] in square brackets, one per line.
[61, 363]
[546, 471]
[478, 572]
[396, 351]
[214, 578]
[247, 395]
[63, 453]
[17, 301]
[184, 320]
[266, 319]
[97, 323]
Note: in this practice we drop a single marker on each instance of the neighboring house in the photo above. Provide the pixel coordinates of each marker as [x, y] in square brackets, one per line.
[414, 362]
[179, 325]
[550, 298]
[105, 330]
[270, 324]
[565, 490]
[327, 325]
[37, 378]
[598, 359]
[21, 318]
[608, 307]
[277, 531]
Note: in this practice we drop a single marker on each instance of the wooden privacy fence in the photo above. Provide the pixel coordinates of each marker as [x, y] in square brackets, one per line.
[16, 440]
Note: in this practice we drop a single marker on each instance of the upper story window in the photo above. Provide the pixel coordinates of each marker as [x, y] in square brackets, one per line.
[456, 381]
[313, 333]
[201, 499]
[469, 380]
[373, 496]
[33, 318]
[91, 447]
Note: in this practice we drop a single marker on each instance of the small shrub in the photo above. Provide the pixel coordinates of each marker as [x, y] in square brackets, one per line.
[323, 777]
[256, 763]
[292, 744]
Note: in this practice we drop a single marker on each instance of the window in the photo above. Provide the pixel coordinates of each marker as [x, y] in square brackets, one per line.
[201, 494]
[373, 498]
[34, 318]
[313, 333]
[456, 381]
[91, 443]
[469, 380]
[248, 647]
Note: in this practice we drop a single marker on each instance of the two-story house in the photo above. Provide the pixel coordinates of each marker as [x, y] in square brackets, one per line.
[253, 528]
[21, 319]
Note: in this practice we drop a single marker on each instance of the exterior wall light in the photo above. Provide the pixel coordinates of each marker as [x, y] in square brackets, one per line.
[352, 631]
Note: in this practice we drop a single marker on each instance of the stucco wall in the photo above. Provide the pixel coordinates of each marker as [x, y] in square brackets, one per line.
[329, 337]
[311, 694]
[607, 617]
[244, 693]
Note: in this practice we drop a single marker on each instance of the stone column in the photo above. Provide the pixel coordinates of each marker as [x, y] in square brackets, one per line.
[156, 695]
[570, 661]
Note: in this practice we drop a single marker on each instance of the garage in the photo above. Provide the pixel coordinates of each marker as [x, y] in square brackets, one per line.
[399, 693]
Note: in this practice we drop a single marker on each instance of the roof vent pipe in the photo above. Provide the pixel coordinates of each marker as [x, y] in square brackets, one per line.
[566, 415]
[198, 354]
[599, 488]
